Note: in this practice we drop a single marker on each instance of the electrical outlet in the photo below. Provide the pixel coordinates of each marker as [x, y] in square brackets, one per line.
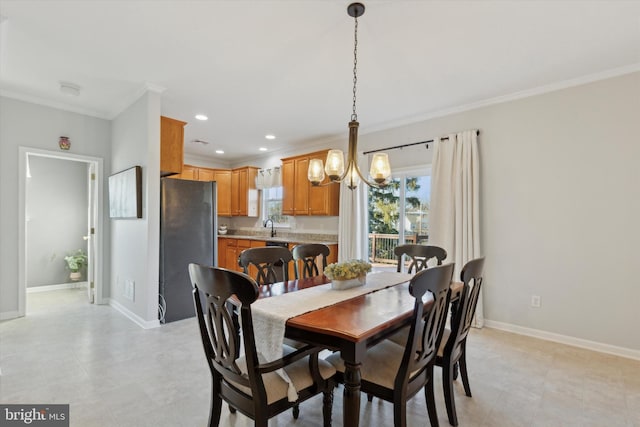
[535, 301]
[129, 289]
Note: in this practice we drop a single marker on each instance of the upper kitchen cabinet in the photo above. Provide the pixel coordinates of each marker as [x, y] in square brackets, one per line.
[195, 173]
[295, 191]
[244, 195]
[171, 146]
[188, 172]
[302, 198]
[222, 177]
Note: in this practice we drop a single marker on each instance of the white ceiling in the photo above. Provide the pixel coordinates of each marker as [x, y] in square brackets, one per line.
[284, 67]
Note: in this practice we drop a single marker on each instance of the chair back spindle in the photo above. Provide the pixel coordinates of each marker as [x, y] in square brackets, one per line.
[307, 255]
[427, 326]
[271, 262]
[471, 277]
[419, 255]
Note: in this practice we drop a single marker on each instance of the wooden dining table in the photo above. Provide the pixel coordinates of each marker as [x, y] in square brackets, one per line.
[351, 327]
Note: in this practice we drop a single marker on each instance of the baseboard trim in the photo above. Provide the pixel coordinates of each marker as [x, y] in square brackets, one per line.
[47, 288]
[8, 315]
[564, 339]
[145, 324]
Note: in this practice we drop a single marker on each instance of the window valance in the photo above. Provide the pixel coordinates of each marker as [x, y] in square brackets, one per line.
[269, 178]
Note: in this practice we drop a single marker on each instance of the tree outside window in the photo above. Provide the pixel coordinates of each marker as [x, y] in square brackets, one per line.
[398, 213]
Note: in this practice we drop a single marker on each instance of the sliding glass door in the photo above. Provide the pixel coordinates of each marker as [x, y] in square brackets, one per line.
[398, 214]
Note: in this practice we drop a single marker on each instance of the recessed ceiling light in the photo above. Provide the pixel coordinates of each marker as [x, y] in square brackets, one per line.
[201, 117]
[262, 149]
[219, 152]
[270, 136]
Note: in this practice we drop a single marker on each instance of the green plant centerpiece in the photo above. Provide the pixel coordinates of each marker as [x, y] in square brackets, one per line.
[75, 261]
[347, 274]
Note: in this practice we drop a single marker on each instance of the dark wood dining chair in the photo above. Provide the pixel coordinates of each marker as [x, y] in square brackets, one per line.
[396, 373]
[419, 255]
[246, 384]
[272, 263]
[453, 347]
[307, 255]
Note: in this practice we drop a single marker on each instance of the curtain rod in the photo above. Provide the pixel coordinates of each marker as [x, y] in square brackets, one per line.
[408, 145]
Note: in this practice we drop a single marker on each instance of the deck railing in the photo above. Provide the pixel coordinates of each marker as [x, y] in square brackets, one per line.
[381, 246]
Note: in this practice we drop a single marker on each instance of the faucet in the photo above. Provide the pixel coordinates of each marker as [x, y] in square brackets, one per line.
[266, 221]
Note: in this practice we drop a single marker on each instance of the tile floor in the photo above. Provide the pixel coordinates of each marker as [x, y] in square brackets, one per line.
[114, 373]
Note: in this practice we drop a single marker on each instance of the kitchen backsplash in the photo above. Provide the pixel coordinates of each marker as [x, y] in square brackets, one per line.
[301, 235]
[299, 224]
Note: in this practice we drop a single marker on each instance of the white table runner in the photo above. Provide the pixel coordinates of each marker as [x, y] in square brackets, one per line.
[271, 314]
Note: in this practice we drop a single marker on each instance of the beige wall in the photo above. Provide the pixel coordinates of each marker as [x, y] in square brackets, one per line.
[23, 124]
[559, 208]
[560, 202]
[135, 242]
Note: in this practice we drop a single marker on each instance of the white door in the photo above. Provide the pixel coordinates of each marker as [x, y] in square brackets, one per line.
[91, 227]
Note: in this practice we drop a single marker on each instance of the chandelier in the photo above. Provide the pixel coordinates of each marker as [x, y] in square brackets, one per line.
[334, 167]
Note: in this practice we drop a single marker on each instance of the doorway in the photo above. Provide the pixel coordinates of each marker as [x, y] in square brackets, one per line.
[91, 170]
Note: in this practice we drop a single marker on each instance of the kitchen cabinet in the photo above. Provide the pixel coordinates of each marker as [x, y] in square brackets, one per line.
[171, 146]
[231, 257]
[229, 250]
[288, 186]
[295, 186]
[232, 249]
[206, 174]
[302, 198]
[236, 193]
[222, 252]
[222, 177]
[244, 195]
[195, 173]
[188, 172]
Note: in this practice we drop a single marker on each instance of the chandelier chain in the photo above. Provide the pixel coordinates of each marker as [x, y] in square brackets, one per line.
[354, 115]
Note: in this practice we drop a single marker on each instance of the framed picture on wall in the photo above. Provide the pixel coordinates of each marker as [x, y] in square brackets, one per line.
[125, 193]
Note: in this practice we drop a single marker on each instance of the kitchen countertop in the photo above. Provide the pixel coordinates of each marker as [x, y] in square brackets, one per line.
[284, 239]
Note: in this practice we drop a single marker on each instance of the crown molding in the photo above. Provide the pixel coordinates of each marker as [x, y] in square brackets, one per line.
[553, 87]
[54, 104]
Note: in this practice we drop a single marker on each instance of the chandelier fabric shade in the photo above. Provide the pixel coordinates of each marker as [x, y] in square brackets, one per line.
[335, 167]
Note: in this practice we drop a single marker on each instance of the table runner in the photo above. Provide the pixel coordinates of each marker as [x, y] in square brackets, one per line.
[271, 314]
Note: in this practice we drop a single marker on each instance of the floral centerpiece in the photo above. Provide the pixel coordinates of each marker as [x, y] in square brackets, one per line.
[345, 275]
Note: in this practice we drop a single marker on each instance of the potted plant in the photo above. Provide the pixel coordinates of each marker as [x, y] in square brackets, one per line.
[348, 274]
[75, 261]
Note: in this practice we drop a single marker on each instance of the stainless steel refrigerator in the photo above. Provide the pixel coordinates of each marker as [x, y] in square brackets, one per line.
[188, 233]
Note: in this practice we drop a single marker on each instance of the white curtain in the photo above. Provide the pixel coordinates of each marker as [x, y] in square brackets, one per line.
[353, 223]
[454, 209]
[268, 178]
